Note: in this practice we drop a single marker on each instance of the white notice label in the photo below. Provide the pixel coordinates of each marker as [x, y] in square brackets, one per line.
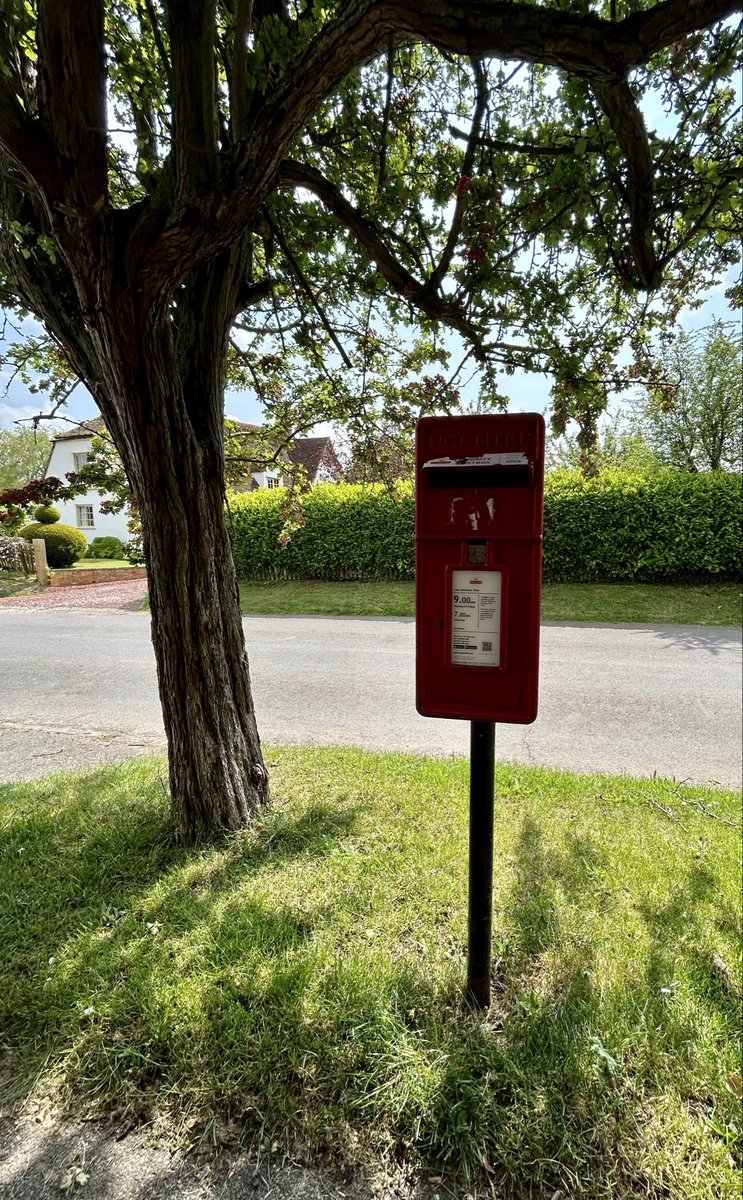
[476, 604]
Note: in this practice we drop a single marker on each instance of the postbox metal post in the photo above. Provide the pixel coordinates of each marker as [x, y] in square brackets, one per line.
[482, 808]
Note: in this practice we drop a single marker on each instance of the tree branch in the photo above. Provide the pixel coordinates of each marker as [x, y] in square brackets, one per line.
[582, 43]
[625, 118]
[374, 242]
[481, 82]
[238, 83]
[531, 149]
[23, 141]
[195, 134]
[308, 290]
[72, 100]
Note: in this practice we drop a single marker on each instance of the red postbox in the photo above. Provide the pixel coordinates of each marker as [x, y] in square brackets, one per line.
[479, 516]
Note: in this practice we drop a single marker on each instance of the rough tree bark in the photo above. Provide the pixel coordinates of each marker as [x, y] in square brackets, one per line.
[163, 402]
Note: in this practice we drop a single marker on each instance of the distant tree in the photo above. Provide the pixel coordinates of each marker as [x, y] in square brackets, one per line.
[620, 446]
[691, 417]
[24, 454]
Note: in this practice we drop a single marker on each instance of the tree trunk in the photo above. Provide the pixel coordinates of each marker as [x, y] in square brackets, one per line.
[171, 440]
[217, 775]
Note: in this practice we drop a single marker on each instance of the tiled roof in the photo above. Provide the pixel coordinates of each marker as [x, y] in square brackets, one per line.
[309, 453]
[306, 452]
[84, 429]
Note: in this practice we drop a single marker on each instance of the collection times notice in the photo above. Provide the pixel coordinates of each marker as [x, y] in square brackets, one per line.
[476, 614]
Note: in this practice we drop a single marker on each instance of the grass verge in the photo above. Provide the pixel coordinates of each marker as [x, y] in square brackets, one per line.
[13, 582]
[303, 981]
[93, 564]
[704, 604]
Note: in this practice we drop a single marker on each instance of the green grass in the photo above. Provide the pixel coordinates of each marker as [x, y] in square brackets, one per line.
[86, 564]
[300, 597]
[692, 604]
[704, 604]
[13, 582]
[303, 980]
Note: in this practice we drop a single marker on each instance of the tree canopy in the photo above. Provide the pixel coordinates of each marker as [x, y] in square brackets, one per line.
[273, 188]
[23, 456]
[692, 418]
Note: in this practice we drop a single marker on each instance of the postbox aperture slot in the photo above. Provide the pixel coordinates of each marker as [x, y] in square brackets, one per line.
[478, 477]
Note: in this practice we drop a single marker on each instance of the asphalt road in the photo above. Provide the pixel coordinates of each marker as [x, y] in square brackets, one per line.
[78, 689]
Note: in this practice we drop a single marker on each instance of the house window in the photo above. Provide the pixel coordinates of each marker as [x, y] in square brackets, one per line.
[85, 516]
[272, 481]
[79, 460]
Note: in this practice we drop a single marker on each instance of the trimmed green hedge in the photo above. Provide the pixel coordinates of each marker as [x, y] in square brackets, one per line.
[667, 528]
[105, 547]
[660, 529]
[350, 532]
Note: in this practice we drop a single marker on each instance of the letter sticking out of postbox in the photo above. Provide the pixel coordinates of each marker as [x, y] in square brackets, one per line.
[479, 517]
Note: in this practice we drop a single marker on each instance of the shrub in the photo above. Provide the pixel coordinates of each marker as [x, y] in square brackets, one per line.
[47, 514]
[349, 532]
[665, 528]
[29, 532]
[133, 552]
[105, 547]
[16, 555]
[64, 545]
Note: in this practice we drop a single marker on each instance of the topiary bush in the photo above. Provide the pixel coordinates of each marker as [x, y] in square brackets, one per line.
[106, 547]
[46, 514]
[64, 544]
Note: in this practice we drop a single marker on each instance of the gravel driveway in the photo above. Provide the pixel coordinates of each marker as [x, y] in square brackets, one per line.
[125, 594]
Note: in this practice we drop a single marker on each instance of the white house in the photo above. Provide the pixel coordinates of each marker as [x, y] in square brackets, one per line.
[71, 448]
[70, 451]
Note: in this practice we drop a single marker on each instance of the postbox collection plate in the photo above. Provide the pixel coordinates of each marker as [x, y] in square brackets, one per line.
[479, 519]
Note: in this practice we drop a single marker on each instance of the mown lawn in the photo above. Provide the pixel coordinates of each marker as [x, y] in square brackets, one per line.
[704, 604]
[86, 564]
[303, 981]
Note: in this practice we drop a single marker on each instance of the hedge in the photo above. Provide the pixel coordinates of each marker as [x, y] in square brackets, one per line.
[659, 529]
[350, 532]
[668, 528]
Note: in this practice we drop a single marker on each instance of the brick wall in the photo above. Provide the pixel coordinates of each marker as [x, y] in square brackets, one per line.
[76, 576]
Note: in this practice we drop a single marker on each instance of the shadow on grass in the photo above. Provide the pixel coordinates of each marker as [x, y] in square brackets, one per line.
[216, 982]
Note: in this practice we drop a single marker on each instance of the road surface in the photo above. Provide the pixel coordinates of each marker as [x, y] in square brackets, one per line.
[78, 689]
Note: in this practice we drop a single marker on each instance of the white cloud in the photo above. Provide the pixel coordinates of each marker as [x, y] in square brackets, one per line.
[9, 413]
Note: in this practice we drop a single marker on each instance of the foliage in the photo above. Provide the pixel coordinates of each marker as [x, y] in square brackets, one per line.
[347, 532]
[692, 418]
[303, 981]
[13, 519]
[617, 448]
[24, 454]
[413, 168]
[105, 547]
[652, 529]
[46, 514]
[29, 532]
[662, 528]
[64, 544]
